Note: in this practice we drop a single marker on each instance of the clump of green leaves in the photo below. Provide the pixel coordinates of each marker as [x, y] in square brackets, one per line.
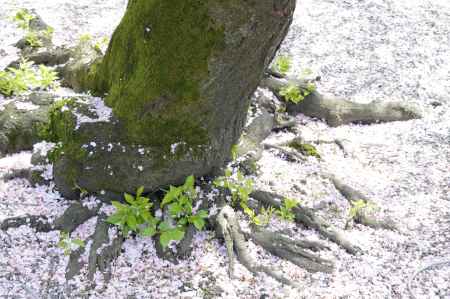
[47, 77]
[283, 64]
[21, 79]
[295, 94]
[87, 41]
[240, 189]
[134, 216]
[359, 206]
[68, 245]
[17, 80]
[22, 18]
[291, 92]
[179, 201]
[285, 211]
[34, 38]
[238, 186]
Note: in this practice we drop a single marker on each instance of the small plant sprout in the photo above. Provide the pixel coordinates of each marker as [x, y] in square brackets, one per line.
[240, 189]
[234, 152]
[291, 93]
[179, 201]
[22, 18]
[134, 216]
[67, 244]
[238, 186]
[101, 44]
[19, 80]
[295, 94]
[47, 77]
[357, 208]
[285, 211]
[307, 72]
[283, 64]
[33, 39]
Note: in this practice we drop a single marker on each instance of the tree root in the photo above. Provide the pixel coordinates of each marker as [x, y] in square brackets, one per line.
[362, 216]
[38, 222]
[292, 250]
[290, 154]
[307, 217]
[228, 227]
[336, 111]
[73, 216]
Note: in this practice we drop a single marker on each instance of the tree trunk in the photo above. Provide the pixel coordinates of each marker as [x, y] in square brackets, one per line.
[178, 76]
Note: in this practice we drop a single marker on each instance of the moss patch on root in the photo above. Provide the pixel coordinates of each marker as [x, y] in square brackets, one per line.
[305, 149]
[61, 129]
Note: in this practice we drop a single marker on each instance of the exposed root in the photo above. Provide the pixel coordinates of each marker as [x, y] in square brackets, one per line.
[38, 222]
[73, 216]
[102, 253]
[229, 228]
[47, 56]
[307, 217]
[338, 112]
[290, 154]
[292, 250]
[362, 216]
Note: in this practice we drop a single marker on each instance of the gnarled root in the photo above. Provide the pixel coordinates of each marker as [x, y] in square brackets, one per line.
[73, 216]
[307, 217]
[228, 227]
[292, 250]
[38, 222]
[103, 251]
[362, 216]
[337, 111]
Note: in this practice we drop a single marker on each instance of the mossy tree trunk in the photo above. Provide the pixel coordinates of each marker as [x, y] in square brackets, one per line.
[178, 76]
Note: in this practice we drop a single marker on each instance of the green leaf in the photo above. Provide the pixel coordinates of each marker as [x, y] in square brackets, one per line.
[164, 226]
[78, 242]
[129, 198]
[149, 231]
[119, 206]
[114, 219]
[175, 209]
[202, 214]
[171, 195]
[132, 222]
[198, 222]
[183, 221]
[189, 183]
[139, 191]
[174, 234]
[283, 64]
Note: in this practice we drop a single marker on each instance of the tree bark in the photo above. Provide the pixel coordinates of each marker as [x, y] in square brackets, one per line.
[178, 77]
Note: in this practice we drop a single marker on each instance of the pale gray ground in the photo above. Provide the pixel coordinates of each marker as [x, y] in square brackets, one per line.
[364, 50]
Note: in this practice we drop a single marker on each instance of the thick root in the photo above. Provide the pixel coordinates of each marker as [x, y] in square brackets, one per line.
[362, 216]
[229, 228]
[292, 250]
[73, 216]
[102, 253]
[38, 222]
[292, 155]
[338, 112]
[307, 217]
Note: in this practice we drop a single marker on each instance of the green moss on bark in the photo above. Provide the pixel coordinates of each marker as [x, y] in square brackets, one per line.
[61, 129]
[154, 67]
